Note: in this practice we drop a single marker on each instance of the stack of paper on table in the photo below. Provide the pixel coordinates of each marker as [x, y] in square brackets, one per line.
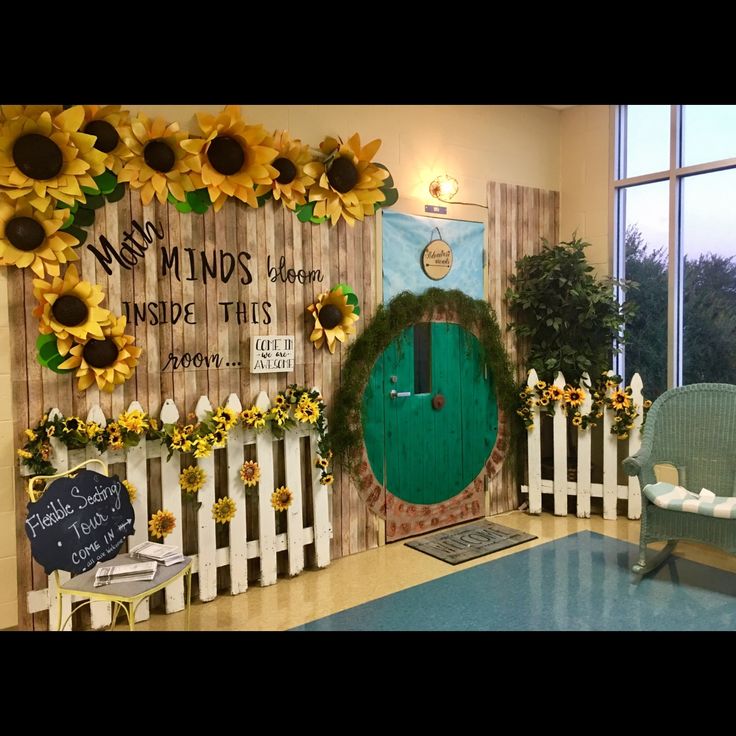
[164, 554]
[136, 571]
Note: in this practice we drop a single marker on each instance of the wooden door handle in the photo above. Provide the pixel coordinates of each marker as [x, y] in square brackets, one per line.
[438, 402]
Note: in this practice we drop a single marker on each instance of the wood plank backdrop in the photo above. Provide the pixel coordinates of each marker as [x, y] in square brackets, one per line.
[341, 254]
[518, 218]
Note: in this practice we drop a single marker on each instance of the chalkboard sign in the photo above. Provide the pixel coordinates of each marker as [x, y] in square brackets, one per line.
[79, 522]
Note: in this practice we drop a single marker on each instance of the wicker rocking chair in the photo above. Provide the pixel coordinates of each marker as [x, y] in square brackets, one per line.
[694, 429]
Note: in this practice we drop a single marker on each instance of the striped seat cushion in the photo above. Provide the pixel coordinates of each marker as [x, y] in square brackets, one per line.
[677, 498]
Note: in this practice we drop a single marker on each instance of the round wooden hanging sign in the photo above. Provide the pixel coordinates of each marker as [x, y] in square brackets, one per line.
[437, 258]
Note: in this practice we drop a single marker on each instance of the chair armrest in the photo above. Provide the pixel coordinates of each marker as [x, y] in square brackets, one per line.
[634, 464]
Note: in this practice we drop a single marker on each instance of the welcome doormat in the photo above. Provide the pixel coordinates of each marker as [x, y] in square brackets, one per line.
[468, 542]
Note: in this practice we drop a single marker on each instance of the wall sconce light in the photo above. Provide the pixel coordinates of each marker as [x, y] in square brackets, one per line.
[443, 188]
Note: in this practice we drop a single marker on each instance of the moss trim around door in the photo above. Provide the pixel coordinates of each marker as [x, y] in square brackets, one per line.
[345, 427]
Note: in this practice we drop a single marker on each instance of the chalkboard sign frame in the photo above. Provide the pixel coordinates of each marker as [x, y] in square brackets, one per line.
[37, 495]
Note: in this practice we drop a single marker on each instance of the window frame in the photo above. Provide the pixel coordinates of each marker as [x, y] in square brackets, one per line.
[674, 175]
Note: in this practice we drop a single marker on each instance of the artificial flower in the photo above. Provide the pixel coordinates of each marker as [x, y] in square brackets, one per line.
[30, 238]
[282, 498]
[347, 184]
[110, 125]
[192, 479]
[292, 183]
[327, 479]
[231, 159]
[162, 523]
[620, 400]
[133, 421]
[223, 510]
[250, 473]
[574, 396]
[108, 361]
[132, 490]
[69, 308]
[157, 165]
[334, 319]
[47, 158]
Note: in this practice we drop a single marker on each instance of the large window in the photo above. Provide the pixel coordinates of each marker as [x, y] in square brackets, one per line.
[675, 223]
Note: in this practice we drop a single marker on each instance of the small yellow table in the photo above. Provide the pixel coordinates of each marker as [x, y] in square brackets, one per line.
[125, 595]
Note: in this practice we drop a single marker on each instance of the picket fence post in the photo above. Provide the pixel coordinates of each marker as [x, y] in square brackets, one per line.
[206, 541]
[610, 462]
[534, 459]
[171, 501]
[584, 441]
[634, 505]
[266, 514]
[236, 491]
[559, 430]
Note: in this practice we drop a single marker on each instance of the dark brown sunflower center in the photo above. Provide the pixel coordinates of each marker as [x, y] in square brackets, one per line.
[343, 175]
[100, 353]
[69, 310]
[286, 168]
[107, 137]
[24, 233]
[330, 316]
[37, 156]
[159, 156]
[226, 155]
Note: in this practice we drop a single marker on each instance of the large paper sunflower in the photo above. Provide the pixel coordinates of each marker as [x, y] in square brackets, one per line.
[232, 159]
[162, 523]
[157, 165]
[347, 184]
[47, 157]
[334, 319]
[223, 510]
[110, 125]
[109, 361]
[32, 239]
[70, 309]
[291, 184]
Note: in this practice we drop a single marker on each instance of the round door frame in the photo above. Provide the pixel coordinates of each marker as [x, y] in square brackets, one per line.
[408, 518]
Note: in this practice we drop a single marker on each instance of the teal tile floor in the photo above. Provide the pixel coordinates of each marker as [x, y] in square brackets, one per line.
[579, 583]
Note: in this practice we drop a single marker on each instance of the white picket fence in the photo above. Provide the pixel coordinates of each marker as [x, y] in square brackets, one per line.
[209, 557]
[582, 488]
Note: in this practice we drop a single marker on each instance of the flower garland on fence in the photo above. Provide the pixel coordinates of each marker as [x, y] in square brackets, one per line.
[294, 406]
[571, 398]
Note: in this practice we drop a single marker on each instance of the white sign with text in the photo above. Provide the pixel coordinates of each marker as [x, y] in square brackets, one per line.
[272, 354]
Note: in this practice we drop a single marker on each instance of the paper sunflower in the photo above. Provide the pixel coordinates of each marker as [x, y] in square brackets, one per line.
[157, 165]
[192, 479]
[70, 309]
[33, 239]
[250, 473]
[347, 184]
[281, 498]
[47, 158]
[161, 524]
[334, 319]
[110, 125]
[108, 361]
[232, 159]
[223, 510]
[291, 184]
[132, 490]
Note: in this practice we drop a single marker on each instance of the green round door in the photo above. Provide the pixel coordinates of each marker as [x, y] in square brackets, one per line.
[430, 416]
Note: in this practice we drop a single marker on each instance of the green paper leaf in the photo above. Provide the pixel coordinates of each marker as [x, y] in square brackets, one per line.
[84, 217]
[49, 350]
[305, 212]
[62, 205]
[42, 340]
[116, 194]
[344, 288]
[54, 364]
[199, 206]
[171, 198]
[94, 201]
[106, 181]
[78, 233]
[392, 196]
[68, 222]
[182, 206]
[90, 192]
[352, 298]
[264, 198]
[318, 220]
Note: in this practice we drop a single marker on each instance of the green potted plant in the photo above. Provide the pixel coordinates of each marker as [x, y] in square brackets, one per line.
[568, 319]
